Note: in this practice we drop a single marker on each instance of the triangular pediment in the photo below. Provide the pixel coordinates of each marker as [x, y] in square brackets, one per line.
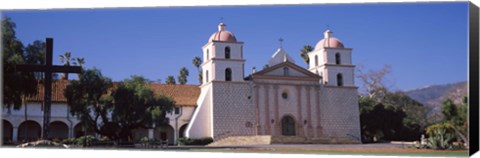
[293, 70]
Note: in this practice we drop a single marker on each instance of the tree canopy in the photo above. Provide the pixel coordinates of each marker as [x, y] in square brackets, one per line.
[170, 80]
[17, 85]
[135, 105]
[182, 78]
[197, 61]
[386, 115]
[304, 51]
[89, 99]
[397, 117]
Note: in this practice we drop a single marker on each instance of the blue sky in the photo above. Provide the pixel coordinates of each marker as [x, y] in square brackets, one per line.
[425, 43]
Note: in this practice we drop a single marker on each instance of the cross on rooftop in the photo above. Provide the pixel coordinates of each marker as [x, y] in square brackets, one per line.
[281, 42]
[48, 69]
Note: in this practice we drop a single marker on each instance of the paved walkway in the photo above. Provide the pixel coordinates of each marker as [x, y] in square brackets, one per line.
[301, 146]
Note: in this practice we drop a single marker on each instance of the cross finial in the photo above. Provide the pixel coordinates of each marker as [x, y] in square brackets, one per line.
[280, 40]
[221, 19]
[328, 27]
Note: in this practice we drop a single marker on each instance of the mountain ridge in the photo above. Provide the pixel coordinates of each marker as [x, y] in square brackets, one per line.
[432, 96]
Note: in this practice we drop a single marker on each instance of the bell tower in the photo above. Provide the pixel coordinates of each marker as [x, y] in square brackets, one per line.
[223, 57]
[331, 60]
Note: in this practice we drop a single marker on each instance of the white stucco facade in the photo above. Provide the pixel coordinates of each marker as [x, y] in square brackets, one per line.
[282, 100]
[64, 125]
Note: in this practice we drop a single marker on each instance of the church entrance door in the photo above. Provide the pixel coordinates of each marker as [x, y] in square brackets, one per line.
[288, 126]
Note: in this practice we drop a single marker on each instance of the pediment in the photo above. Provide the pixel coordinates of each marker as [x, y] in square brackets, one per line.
[286, 69]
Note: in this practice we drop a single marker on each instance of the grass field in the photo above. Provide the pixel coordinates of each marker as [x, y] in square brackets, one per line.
[347, 151]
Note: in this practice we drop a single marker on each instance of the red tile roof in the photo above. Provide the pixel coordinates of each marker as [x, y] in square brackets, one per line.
[184, 95]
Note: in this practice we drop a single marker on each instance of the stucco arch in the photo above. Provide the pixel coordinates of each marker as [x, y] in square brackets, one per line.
[7, 131]
[181, 131]
[164, 132]
[29, 130]
[58, 130]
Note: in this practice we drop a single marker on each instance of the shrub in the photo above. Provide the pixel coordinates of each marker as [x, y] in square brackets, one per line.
[193, 141]
[69, 141]
[441, 136]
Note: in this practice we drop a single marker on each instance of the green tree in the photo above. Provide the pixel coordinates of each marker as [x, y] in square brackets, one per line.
[415, 111]
[16, 85]
[80, 62]
[379, 122]
[196, 62]
[89, 100]
[457, 117]
[397, 107]
[304, 51]
[35, 54]
[135, 105]
[65, 59]
[170, 80]
[182, 78]
[453, 125]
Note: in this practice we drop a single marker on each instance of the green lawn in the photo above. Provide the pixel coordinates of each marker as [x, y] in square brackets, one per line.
[461, 153]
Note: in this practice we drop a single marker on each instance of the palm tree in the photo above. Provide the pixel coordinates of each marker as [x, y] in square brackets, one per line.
[170, 80]
[80, 62]
[196, 62]
[182, 78]
[304, 51]
[65, 59]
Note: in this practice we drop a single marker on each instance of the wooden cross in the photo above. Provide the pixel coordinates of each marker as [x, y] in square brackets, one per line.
[48, 69]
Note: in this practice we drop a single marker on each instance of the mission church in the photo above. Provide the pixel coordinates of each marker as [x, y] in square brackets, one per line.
[284, 101]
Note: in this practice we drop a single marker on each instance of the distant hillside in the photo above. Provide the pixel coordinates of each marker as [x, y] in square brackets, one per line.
[433, 96]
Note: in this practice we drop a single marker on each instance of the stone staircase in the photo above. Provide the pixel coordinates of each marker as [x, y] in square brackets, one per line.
[304, 140]
[242, 140]
[267, 139]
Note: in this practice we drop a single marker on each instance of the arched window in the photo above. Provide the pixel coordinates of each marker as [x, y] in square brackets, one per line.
[337, 58]
[316, 60]
[208, 54]
[339, 80]
[206, 76]
[285, 71]
[228, 74]
[227, 52]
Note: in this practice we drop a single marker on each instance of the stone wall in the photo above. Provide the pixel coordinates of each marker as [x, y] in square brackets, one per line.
[233, 109]
[339, 112]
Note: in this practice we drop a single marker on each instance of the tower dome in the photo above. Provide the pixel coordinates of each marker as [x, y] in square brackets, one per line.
[222, 34]
[328, 41]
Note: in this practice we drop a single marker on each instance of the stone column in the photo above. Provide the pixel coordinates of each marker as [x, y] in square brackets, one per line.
[309, 113]
[299, 112]
[15, 134]
[70, 132]
[318, 129]
[277, 117]
[257, 110]
[267, 110]
[151, 133]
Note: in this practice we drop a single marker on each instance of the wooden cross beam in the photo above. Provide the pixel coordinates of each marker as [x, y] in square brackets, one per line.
[48, 69]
